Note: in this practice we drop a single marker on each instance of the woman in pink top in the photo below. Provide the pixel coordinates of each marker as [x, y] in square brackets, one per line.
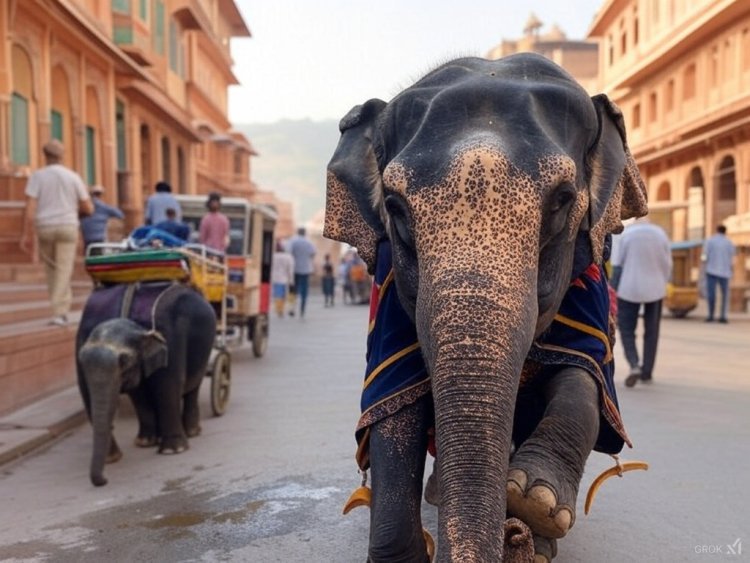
[214, 227]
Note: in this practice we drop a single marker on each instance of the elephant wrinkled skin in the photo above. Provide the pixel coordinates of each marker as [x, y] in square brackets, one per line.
[496, 184]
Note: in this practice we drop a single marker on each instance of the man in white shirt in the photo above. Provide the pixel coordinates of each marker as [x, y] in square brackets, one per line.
[55, 197]
[718, 253]
[642, 267]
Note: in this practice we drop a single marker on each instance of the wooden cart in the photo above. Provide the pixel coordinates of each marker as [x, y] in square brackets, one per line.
[131, 262]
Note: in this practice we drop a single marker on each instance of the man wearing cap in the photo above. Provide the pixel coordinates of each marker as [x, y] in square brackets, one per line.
[55, 197]
[94, 227]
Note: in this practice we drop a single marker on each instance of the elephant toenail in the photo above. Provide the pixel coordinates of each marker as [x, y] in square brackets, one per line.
[543, 496]
[564, 519]
[518, 478]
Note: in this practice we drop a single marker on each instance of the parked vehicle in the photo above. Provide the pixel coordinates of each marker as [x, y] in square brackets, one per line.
[683, 292]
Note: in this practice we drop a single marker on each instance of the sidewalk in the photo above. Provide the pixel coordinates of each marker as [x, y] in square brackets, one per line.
[29, 428]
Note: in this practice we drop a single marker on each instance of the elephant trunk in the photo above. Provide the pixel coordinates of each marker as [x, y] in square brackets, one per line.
[104, 388]
[478, 342]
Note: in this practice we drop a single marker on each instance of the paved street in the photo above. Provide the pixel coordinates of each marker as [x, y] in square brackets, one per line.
[267, 481]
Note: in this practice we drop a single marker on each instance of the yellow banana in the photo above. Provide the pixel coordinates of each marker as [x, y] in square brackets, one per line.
[618, 470]
[360, 497]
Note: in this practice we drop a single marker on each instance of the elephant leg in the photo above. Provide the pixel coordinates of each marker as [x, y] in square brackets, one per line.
[398, 447]
[168, 393]
[546, 470]
[114, 454]
[191, 413]
[148, 432]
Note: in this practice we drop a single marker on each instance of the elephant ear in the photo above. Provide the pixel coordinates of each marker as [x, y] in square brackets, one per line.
[153, 353]
[616, 189]
[353, 183]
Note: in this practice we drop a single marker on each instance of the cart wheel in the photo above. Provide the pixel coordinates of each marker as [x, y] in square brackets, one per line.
[220, 382]
[260, 336]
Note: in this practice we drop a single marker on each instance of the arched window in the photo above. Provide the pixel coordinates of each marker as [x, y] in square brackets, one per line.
[21, 108]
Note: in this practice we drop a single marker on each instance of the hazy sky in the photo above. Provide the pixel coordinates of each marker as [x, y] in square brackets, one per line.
[318, 58]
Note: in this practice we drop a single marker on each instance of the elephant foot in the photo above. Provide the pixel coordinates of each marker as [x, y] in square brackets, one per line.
[171, 446]
[145, 441]
[545, 549]
[539, 504]
[114, 455]
[193, 432]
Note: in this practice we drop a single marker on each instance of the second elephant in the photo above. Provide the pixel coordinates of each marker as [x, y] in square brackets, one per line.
[158, 356]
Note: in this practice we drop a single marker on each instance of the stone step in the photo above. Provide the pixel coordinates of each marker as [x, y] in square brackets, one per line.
[33, 272]
[36, 359]
[18, 312]
[22, 293]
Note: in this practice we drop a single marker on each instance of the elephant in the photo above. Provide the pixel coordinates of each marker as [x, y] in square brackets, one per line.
[483, 197]
[152, 341]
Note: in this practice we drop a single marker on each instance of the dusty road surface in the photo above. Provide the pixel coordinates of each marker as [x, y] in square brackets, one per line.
[267, 481]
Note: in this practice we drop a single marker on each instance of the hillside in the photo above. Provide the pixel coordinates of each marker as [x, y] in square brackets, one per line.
[292, 160]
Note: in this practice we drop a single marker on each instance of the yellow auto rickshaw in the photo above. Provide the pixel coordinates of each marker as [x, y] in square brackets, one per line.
[683, 291]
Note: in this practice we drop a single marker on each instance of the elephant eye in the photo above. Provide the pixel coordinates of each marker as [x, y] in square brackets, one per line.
[399, 214]
[561, 197]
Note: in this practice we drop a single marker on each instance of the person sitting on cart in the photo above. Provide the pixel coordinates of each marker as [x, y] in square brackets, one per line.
[173, 226]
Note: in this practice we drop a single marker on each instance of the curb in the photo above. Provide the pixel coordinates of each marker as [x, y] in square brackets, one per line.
[24, 441]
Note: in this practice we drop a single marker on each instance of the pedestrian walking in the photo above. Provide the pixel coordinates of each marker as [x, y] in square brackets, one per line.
[641, 269]
[329, 281]
[158, 203]
[347, 294]
[303, 252]
[55, 198]
[282, 277]
[718, 253]
[94, 227]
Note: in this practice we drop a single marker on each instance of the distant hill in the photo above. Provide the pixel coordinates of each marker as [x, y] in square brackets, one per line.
[292, 160]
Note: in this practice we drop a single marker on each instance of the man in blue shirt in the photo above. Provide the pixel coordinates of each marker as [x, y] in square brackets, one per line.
[159, 202]
[718, 253]
[303, 251]
[94, 227]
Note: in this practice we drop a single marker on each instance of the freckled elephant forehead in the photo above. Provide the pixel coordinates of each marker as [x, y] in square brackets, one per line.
[525, 105]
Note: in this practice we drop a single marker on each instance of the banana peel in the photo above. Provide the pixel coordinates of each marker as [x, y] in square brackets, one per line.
[362, 496]
[618, 470]
[429, 543]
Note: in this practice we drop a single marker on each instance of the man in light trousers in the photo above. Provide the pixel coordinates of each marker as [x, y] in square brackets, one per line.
[55, 197]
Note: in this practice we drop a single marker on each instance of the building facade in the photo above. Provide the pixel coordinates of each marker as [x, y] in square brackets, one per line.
[680, 72]
[135, 89]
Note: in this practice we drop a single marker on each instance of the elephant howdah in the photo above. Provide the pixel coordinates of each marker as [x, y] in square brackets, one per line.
[152, 341]
[494, 187]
